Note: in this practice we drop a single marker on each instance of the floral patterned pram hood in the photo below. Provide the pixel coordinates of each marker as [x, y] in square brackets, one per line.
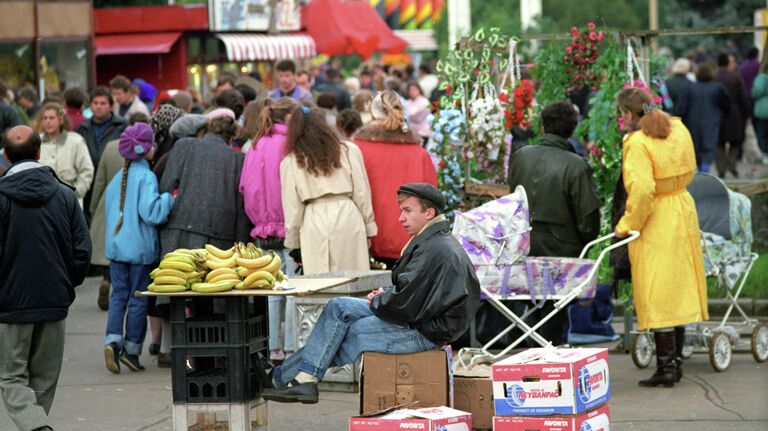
[496, 236]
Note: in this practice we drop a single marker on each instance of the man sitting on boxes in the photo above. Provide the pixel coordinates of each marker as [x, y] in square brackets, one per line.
[434, 293]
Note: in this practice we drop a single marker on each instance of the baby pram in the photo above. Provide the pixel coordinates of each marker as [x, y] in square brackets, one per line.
[496, 236]
[726, 229]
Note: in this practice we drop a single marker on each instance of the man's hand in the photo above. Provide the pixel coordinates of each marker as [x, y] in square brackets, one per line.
[374, 293]
[620, 234]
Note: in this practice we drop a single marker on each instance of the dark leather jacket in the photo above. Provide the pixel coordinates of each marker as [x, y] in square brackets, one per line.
[436, 290]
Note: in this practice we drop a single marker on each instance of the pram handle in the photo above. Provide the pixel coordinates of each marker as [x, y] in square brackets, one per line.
[633, 235]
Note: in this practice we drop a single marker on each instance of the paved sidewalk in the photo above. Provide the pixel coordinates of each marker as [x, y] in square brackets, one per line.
[89, 398]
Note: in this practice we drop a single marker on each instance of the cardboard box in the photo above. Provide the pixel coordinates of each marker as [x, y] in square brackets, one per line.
[475, 395]
[390, 380]
[595, 420]
[429, 419]
[540, 382]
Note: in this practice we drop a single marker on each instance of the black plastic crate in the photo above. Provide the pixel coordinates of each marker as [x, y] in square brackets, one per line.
[231, 375]
[240, 321]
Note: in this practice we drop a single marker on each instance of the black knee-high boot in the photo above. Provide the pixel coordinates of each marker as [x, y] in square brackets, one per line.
[665, 361]
[679, 343]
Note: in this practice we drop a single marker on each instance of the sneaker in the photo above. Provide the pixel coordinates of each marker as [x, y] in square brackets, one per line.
[132, 362]
[103, 301]
[112, 357]
[163, 360]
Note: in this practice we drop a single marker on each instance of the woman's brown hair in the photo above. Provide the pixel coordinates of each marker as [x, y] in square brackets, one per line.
[61, 114]
[316, 145]
[653, 122]
[225, 127]
[261, 115]
[123, 185]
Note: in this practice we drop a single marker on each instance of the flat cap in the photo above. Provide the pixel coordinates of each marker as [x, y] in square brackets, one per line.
[424, 191]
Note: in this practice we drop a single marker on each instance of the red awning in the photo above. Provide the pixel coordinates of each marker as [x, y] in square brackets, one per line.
[352, 27]
[389, 42]
[140, 43]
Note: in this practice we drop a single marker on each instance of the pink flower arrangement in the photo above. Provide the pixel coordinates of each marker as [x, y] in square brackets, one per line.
[640, 84]
[581, 55]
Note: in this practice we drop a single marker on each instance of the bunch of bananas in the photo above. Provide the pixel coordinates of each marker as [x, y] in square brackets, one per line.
[177, 271]
[259, 273]
[212, 270]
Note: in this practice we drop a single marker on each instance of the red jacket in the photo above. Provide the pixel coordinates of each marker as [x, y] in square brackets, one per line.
[391, 160]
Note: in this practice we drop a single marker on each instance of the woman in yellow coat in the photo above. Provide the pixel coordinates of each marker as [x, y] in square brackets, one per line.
[667, 262]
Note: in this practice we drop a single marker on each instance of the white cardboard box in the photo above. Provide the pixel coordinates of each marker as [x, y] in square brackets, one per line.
[540, 382]
[427, 419]
[595, 420]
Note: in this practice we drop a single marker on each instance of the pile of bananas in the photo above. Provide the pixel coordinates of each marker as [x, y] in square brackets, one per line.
[211, 270]
[255, 269]
[178, 270]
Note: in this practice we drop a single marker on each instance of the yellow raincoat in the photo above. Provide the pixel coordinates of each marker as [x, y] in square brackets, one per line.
[667, 262]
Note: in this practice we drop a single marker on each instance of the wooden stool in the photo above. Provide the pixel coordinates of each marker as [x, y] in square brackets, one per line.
[239, 416]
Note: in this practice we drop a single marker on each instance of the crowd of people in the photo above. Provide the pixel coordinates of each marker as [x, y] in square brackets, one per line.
[329, 174]
[723, 105]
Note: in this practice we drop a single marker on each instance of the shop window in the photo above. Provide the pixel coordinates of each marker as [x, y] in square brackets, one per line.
[64, 64]
[17, 64]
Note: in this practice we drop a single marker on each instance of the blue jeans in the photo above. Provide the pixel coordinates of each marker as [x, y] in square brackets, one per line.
[279, 303]
[124, 306]
[347, 328]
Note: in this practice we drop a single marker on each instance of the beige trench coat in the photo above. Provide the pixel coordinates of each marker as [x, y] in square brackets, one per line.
[109, 165]
[329, 217]
[68, 156]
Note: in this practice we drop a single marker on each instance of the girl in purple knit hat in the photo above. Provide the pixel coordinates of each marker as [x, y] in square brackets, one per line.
[134, 209]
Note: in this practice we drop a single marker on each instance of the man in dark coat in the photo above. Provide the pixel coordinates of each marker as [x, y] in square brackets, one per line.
[565, 206]
[680, 87]
[44, 253]
[733, 126]
[434, 293]
[103, 127]
[709, 104]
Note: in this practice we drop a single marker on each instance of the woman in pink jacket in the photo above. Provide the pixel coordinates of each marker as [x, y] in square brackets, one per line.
[260, 187]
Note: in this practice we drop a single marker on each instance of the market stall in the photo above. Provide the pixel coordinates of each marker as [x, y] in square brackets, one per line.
[219, 326]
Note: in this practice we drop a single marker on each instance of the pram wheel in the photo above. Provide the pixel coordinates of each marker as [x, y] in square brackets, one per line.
[720, 352]
[760, 343]
[642, 349]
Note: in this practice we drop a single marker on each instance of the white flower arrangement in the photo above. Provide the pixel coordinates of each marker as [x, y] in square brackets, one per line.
[487, 124]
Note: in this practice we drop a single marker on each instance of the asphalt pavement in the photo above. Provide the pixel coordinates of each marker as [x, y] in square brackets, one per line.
[91, 398]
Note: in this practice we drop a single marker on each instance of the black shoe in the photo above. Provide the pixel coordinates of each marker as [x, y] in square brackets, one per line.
[132, 362]
[295, 392]
[103, 301]
[661, 377]
[163, 360]
[154, 349]
[112, 357]
[45, 428]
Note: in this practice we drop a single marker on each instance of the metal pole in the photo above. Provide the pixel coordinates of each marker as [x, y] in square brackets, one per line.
[37, 76]
[653, 21]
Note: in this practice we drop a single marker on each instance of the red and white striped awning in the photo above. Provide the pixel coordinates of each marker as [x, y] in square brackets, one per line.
[418, 40]
[261, 47]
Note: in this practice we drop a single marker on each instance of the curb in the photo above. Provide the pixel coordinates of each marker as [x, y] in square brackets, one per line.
[755, 308]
